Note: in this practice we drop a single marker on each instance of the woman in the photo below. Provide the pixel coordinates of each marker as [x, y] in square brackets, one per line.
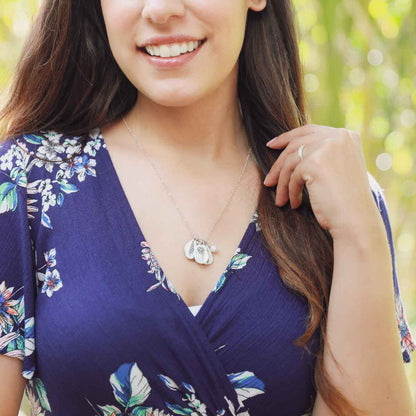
[150, 118]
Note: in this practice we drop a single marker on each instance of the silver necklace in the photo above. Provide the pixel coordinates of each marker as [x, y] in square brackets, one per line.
[197, 248]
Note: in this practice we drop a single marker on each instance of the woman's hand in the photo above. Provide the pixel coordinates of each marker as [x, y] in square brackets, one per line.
[335, 174]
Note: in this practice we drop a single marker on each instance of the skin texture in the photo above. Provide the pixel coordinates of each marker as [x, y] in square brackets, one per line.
[12, 385]
[197, 100]
[362, 328]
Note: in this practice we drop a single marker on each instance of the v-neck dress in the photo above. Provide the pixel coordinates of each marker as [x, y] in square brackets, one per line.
[100, 328]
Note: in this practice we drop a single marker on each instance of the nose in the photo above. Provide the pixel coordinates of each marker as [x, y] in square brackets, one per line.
[159, 11]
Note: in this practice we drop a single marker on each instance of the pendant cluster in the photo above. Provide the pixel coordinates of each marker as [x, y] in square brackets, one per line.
[197, 249]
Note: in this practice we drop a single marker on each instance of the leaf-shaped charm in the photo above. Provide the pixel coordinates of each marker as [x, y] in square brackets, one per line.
[130, 386]
[189, 249]
[210, 256]
[201, 255]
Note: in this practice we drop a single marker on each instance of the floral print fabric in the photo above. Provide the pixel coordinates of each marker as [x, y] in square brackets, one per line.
[100, 328]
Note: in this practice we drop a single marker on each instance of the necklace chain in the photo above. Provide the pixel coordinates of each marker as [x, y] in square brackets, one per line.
[172, 198]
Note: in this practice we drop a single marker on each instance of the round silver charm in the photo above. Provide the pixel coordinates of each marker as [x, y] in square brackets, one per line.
[198, 250]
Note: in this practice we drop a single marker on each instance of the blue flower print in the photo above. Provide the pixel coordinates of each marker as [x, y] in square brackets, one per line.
[52, 282]
[51, 279]
[84, 167]
[81, 165]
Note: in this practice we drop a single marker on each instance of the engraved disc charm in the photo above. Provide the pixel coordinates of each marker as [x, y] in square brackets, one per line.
[198, 250]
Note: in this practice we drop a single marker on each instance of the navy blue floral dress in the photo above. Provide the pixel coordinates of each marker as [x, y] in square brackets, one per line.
[100, 328]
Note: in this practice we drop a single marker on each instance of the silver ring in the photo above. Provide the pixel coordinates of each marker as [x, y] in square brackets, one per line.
[300, 151]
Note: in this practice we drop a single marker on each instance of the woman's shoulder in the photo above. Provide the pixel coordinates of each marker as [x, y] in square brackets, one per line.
[42, 167]
[48, 151]
[49, 145]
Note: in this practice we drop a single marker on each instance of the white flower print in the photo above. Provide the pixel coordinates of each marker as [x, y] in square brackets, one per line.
[6, 160]
[17, 163]
[49, 149]
[72, 147]
[255, 219]
[51, 279]
[93, 145]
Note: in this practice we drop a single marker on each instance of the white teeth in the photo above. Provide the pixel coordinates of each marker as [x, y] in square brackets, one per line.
[174, 49]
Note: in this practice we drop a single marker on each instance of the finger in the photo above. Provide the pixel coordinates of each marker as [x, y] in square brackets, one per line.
[282, 191]
[273, 175]
[296, 183]
[283, 139]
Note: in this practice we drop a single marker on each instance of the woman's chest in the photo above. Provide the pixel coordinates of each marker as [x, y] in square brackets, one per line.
[112, 304]
[104, 301]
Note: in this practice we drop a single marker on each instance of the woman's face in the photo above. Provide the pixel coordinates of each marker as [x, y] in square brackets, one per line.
[220, 23]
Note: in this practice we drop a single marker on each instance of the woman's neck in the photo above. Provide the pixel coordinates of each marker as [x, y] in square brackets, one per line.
[205, 133]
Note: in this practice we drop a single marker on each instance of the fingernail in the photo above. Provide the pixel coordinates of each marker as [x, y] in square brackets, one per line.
[270, 141]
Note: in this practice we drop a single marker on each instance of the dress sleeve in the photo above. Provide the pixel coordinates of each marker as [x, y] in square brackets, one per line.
[17, 275]
[406, 338]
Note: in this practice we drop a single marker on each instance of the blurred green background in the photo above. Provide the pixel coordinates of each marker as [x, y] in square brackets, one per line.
[360, 73]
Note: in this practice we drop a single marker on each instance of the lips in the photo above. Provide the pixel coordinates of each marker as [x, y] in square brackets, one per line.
[172, 62]
[143, 49]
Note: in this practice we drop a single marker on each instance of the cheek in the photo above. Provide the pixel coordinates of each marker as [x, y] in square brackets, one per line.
[120, 19]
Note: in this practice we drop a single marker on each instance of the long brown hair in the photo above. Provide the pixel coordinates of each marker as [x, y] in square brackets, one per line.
[67, 80]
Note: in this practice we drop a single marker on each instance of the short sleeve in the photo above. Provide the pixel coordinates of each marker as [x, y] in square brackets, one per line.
[17, 274]
[406, 338]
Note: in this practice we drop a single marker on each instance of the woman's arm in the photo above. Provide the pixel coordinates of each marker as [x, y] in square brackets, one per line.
[12, 385]
[362, 328]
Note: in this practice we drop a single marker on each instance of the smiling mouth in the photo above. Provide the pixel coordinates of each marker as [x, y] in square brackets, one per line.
[143, 50]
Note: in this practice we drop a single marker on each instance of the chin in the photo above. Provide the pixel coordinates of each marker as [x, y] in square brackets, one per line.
[173, 97]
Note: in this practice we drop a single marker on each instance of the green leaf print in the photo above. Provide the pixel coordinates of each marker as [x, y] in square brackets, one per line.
[239, 260]
[144, 411]
[8, 197]
[18, 175]
[40, 389]
[130, 386]
[68, 188]
[34, 139]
